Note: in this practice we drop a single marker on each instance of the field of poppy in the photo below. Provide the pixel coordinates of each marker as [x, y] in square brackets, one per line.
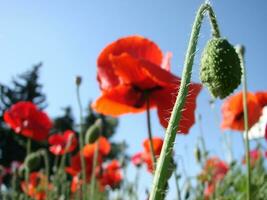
[67, 157]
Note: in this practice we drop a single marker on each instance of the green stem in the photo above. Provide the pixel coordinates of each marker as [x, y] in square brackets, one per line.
[93, 180]
[202, 141]
[150, 137]
[46, 161]
[176, 177]
[29, 144]
[160, 177]
[240, 52]
[81, 143]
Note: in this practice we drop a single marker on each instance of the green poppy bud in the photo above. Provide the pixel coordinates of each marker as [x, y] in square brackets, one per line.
[33, 161]
[220, 68]
[93, 132]
[197, 154]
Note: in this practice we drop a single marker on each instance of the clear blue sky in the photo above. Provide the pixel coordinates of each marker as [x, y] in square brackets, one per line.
[67, 37]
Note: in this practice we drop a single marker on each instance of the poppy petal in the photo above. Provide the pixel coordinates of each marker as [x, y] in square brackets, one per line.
[262, 98]
[120, 100]
[165, 100]
[141, 73]
[136, 46]
[233, 115]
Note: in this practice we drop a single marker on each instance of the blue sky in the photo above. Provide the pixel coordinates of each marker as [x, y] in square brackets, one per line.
[67, 37]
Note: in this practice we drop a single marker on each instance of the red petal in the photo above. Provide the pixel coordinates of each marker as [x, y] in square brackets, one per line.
[232, 111]
[141, 73]
[262, 98]
[157, 145]
[136, 46]
[120, 100]
[165, 100]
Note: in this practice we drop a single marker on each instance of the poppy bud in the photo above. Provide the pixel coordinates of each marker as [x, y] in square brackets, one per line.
[93, 132]
[197, 154]
[33, 160]
[78, 80]
[220, 68]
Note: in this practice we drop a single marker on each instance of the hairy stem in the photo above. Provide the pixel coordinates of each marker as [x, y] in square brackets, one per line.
[160, 178]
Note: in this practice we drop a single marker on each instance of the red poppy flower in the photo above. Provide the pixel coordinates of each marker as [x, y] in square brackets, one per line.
[36, 187]
[255, 155]
[145, 156]
[26, 119]
[137, 159]
[104, 148]
[76, 184]
[111, 175]
[213, 172]
[102, 144]
[129, 71]
[233, 114]
[62, 143]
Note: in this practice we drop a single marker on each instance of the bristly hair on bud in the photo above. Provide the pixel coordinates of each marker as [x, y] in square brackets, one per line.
[220, 68]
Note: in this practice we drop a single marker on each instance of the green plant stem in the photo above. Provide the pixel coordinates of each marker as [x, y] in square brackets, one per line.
[176, 177]
[29, 145]
[247, 146]
[81, 143]
[93, 179]
[150, 137]
[160, 177]
[46, 161]
[27, 173]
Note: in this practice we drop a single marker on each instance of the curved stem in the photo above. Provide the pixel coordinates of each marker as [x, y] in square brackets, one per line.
[160, 177]
[247, 147]
[81, 142]
[150, 138]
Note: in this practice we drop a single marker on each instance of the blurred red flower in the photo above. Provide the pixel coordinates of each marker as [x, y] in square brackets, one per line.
[213, 172]
[26, 119]
[75, 167]
[130, 70]
[255, 155]
[233, 114]
[76, 184]
[36, 187]
[145, 156]
[137, 159]
[110, 175]
[62, 143]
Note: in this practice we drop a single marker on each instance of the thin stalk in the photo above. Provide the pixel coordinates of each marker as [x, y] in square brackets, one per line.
[81, 142]
[29, 145]
[176, 177]
[247, 146]
[201, 139]
[46, 161]
[160, 177]
[93, 180]
[150, 137]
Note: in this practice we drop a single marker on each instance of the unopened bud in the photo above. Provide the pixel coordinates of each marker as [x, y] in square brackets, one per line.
[78, 80]
[197, 154]
[93, 132]
[220, 68]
